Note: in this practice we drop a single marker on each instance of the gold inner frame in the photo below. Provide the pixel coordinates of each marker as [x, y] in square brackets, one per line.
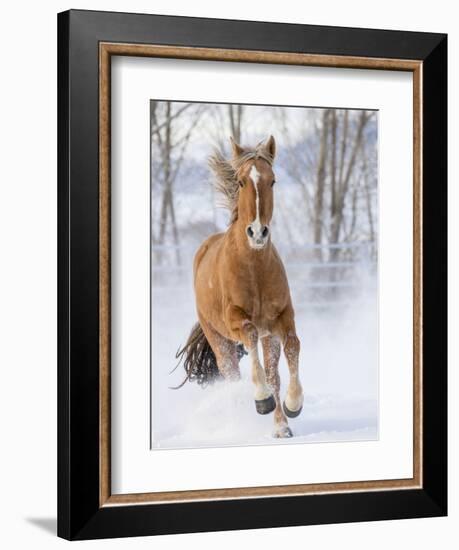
[106, 50]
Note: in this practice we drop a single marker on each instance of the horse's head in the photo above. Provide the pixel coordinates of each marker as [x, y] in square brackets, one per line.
[255, 200]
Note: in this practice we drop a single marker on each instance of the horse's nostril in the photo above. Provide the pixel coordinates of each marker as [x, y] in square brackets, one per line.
[249, 231]
[265, 231]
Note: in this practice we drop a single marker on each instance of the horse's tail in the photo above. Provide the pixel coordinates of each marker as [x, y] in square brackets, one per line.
[198, 359]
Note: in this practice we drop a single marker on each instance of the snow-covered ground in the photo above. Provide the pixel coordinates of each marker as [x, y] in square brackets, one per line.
[338, 368]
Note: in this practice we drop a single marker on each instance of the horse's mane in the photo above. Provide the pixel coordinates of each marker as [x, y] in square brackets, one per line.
[226, 175]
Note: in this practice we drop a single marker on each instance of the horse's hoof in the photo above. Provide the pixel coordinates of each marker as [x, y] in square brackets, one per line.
[289, 413]
[282, 432]
[265, 406]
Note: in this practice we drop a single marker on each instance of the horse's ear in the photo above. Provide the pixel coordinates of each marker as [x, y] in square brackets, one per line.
[270, 147]
[236, 148]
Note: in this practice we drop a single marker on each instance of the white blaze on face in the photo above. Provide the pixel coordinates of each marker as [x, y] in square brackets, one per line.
[255, 176]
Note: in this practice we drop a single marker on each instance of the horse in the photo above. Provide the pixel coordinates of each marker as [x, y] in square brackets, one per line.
[241, 290]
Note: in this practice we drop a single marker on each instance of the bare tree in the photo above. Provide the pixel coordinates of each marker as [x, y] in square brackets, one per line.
[171, 128]
[331, 155]
[298, 166]
[346, 172]
[227, 121]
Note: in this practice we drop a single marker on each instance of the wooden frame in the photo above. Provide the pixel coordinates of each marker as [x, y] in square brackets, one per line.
[139, 50]
[87, 509]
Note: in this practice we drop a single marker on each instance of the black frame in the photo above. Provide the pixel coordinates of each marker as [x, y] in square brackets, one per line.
[79, 514]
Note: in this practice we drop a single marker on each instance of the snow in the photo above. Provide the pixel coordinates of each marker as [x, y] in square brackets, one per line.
[338, 371]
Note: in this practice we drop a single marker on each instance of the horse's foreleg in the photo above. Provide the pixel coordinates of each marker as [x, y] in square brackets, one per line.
[264, 400]
[244, 331]
[294, 399]
[271, 353]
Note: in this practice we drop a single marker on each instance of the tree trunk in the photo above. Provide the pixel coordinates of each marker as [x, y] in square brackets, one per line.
[166, 161]
[320, 184]
[367, 191]
[333, 163]
[235, 116]
[344, 184]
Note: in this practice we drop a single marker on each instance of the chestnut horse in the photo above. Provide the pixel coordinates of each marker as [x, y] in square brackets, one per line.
[242, 292]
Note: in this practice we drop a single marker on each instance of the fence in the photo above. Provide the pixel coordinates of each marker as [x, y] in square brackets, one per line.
[320, 276]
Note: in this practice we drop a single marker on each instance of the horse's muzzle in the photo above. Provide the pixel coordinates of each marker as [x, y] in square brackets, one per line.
[257, 236]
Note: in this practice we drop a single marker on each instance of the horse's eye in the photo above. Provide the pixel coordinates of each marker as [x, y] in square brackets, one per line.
[241, 184]
[273, 182]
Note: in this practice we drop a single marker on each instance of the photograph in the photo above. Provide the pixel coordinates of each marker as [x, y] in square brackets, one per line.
[264, 274]
[252, 266]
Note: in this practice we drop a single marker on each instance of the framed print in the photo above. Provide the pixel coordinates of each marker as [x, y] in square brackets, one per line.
[252, 274]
